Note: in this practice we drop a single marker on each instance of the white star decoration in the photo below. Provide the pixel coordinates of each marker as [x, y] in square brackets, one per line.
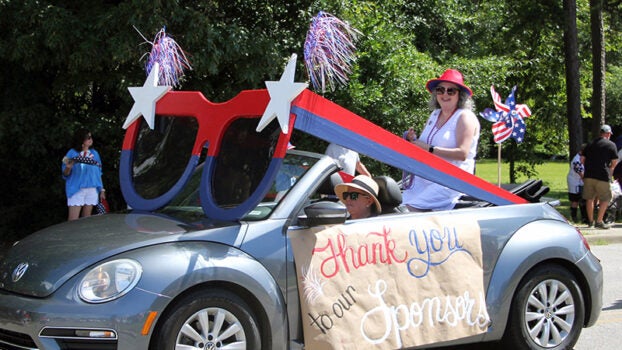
[282, 93]
[145, 98]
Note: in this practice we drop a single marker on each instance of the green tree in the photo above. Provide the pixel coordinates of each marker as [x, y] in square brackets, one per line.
[598, 64]
[573, 89]
[69, 63]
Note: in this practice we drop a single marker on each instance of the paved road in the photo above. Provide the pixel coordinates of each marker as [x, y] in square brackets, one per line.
[607, 333]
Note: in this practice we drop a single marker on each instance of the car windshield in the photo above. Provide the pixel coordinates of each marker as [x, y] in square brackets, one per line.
[187, 204]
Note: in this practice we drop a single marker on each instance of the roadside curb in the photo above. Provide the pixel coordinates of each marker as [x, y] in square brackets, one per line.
[599, 236]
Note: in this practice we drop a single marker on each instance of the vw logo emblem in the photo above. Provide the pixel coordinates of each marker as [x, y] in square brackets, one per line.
[19, 271]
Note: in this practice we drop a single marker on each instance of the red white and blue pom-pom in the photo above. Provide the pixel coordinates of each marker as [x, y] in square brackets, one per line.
[329, 51]
[171, 58]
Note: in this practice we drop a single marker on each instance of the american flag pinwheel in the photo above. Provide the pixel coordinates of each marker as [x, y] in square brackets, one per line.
[508, 119]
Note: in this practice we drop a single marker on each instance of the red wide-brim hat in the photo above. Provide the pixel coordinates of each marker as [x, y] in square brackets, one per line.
[451, 76]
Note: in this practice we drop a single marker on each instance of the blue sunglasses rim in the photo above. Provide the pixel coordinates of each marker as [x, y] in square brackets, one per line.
[135, 200]
[210, 208]
[209, 205]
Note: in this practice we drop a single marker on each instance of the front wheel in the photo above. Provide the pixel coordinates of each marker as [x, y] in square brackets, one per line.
[547, 312]
[215, 319]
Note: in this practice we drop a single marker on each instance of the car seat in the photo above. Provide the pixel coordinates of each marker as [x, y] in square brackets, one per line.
[389, 194]
[326, 190]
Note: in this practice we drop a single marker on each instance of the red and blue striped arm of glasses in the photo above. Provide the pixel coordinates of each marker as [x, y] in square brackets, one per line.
[326, 120]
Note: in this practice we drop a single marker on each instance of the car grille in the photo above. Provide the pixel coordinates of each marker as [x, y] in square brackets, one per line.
[70, 344]
[15, 341]
[80, 338]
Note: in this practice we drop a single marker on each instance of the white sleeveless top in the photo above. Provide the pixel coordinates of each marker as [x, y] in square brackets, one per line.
[424, 194]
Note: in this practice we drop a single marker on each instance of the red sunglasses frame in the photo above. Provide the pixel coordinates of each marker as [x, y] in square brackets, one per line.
[213, 120]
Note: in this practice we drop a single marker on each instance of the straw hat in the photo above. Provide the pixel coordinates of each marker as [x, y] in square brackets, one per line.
[451, 76]
[363, 183]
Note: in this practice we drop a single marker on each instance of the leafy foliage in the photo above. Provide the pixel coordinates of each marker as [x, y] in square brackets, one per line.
[67, 64]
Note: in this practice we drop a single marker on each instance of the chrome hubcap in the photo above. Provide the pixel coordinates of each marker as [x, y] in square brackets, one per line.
[549, 313]
[212, 329]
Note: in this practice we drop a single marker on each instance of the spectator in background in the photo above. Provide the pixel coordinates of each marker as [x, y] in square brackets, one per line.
[82, 170]
[348, 160]
[599, 158]
[618, 142]
[575, 188]
[617, 172]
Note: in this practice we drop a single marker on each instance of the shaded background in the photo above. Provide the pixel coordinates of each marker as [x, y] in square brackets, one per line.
[67, 64]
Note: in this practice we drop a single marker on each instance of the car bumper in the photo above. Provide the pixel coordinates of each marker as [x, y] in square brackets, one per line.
[67, 322]
[593, 272]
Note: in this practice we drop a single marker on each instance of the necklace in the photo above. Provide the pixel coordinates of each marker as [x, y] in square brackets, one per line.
[436, 129]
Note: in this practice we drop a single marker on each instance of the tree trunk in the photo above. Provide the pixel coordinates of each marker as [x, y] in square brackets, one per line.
[573, 91]
[598, 65]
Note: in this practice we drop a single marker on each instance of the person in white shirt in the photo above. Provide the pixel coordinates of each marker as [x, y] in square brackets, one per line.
[452, 133]
[348, 160]
[575, 188]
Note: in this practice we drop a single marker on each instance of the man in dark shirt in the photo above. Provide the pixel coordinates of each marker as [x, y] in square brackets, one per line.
[599, 158]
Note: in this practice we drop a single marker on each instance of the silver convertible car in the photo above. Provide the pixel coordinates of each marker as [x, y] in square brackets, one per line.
[182, 270]
[174, 279]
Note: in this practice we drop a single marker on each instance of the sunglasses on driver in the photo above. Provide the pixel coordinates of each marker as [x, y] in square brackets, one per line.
[353, 195]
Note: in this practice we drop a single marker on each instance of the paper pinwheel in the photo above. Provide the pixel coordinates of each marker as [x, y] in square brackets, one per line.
[508, 119]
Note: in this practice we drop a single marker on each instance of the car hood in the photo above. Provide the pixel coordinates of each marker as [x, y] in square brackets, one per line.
[40, 263]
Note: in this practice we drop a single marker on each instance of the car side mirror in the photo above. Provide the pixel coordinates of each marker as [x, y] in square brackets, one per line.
[323, 213]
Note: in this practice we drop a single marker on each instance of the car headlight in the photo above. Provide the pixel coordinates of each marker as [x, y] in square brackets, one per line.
[109, 280]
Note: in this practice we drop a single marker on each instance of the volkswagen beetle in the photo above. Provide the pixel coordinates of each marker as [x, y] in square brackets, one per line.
[205, 257]
[174, 278]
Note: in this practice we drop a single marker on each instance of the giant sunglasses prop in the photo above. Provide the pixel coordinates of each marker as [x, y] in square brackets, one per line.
[212, 124]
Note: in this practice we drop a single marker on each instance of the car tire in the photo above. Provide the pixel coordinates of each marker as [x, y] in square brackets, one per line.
[547, 312]
[202, 319]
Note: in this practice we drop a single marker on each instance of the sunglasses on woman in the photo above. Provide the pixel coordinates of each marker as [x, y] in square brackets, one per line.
[157, 164]
[440, 90]
[352, 195]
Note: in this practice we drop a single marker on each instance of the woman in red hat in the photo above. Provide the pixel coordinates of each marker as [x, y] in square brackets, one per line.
[452, 133]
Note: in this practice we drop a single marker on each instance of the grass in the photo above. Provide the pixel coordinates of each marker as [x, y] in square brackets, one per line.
[552, 173]
[598, 241]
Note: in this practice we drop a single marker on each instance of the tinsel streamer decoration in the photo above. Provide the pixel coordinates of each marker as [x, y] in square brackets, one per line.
[170, 56]
[329, 51]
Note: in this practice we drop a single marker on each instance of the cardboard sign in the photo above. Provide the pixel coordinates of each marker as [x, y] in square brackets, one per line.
[390, 285]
